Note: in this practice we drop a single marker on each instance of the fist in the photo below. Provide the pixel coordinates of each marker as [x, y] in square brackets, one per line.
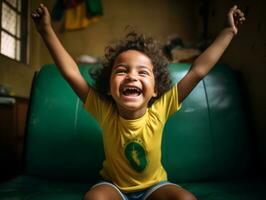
[41, 18]
[235, 18]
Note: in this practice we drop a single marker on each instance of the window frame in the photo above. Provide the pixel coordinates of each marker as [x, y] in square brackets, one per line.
[24, 30]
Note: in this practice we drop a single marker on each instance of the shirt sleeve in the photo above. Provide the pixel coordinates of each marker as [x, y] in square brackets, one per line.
[95, 105]
[167, 104]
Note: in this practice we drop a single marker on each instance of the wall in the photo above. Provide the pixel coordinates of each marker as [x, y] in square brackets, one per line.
[247, 53]
[18, 76]
[158, 18]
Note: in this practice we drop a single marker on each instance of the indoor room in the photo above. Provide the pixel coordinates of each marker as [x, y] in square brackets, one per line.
[53, 145]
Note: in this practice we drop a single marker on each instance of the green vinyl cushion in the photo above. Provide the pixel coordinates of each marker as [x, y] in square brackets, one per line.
[205, 145]
[32, 188]
[63, 140]
[243, 189]
[206, 140]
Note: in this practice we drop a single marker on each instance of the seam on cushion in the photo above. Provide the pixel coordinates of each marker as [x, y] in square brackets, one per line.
[210, 121]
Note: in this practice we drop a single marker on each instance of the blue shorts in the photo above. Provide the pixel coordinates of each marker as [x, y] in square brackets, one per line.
[139, 195]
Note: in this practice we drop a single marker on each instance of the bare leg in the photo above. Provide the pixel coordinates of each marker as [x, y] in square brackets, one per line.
[102, 192]
[171, 192]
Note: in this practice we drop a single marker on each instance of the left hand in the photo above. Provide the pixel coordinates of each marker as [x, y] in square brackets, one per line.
[235, 18]
[41, 18]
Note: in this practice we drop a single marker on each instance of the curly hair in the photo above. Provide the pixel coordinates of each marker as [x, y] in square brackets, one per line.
[141, 43]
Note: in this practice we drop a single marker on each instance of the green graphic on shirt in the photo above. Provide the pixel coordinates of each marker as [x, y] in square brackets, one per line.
[136, 156]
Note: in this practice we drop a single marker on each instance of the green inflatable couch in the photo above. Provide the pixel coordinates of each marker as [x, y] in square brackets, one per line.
[206, 145]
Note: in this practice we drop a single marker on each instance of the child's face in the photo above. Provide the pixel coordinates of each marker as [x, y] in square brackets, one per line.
[132, 83]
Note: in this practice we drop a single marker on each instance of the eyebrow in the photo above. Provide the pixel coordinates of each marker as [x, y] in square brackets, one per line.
[119, 65]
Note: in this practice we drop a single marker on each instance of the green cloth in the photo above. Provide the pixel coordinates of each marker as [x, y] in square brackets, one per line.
[94, 7]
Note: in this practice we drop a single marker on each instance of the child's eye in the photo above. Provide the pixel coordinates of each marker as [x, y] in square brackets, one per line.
[121, 71]
[144, 73]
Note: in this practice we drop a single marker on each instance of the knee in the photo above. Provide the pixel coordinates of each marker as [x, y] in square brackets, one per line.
[92, 195]
[87, 196]
[187, 196]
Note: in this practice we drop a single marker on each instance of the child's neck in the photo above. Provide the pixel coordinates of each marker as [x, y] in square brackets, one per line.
[130, 115]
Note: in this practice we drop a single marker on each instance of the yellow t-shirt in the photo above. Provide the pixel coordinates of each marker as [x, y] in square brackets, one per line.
[133, 147]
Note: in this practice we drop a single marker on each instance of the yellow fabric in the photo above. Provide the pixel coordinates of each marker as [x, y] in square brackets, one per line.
[133, 147]
[76, 18]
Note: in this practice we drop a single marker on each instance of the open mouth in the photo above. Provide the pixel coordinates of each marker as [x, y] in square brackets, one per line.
[131, 91]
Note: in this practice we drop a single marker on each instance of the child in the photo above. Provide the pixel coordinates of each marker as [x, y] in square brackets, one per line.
[132, 101]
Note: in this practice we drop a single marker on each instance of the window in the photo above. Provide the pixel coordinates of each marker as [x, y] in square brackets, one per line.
[13, 36]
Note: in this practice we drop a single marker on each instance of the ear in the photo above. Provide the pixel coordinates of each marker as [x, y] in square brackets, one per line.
[155, 93]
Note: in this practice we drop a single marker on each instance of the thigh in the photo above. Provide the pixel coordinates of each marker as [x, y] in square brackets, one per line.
[104, 191]
[170, 192]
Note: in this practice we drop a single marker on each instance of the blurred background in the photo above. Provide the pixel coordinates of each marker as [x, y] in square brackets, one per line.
[185, 26]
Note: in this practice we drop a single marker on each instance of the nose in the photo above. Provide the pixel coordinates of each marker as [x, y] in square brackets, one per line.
[131, 76]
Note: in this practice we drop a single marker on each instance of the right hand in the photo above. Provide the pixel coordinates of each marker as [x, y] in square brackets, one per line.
[41, 18]
[235, 18]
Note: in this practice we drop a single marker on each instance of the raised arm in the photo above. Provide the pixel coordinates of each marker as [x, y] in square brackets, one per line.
[204, 63]
[65, 63]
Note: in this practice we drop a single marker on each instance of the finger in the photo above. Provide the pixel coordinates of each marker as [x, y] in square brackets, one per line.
[35, 15]
[242, 14]
[242, 20]
[44, 8]
[239, 15]
[40, 10]
[33, 12]
[37, 12]
[236, 13]
[233, 8]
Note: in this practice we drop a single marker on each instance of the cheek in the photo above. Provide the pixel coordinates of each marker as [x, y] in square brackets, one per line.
[114, 84]
[149, 82]
[152, 87]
